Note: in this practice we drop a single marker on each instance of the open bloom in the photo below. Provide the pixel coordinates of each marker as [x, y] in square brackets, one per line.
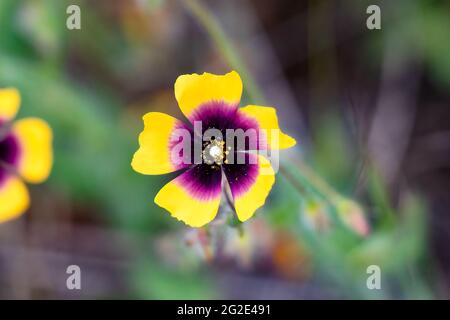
[213, 101]
[25, 154]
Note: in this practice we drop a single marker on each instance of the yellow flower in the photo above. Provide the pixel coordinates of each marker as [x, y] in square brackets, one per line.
[222, 142]
[25, 154]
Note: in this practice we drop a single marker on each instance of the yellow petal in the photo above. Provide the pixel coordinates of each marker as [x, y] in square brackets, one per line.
[188, 200]
[153, 156]
[248, 199]
[36, 153]
[194, 90]
[268, 122]
[14, 198]
[9, 103]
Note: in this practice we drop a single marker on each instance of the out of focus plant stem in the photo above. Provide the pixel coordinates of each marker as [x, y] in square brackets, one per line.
[310, 182]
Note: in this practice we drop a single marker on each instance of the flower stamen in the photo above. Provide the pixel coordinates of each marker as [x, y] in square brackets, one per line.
[213, 153]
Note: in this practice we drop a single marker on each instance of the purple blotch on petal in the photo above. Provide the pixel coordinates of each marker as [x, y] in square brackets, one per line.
[241, 177]
[202, 181]
[180, 132]
[222, 116]
[9, 155]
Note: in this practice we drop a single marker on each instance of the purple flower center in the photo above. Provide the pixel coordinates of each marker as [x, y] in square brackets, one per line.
[219, 151]
[9, 153]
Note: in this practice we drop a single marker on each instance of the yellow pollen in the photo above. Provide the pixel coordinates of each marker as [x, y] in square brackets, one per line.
[213, 153]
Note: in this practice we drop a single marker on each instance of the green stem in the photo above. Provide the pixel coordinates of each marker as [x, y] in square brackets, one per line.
[294, 183]
[224, 45]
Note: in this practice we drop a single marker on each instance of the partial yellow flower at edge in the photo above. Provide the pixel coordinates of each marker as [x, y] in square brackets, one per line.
[36, 157]
[14, 199]
[27, 155]
[9, 103]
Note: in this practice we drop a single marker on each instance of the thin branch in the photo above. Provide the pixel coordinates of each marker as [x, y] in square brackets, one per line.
[228, 197]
